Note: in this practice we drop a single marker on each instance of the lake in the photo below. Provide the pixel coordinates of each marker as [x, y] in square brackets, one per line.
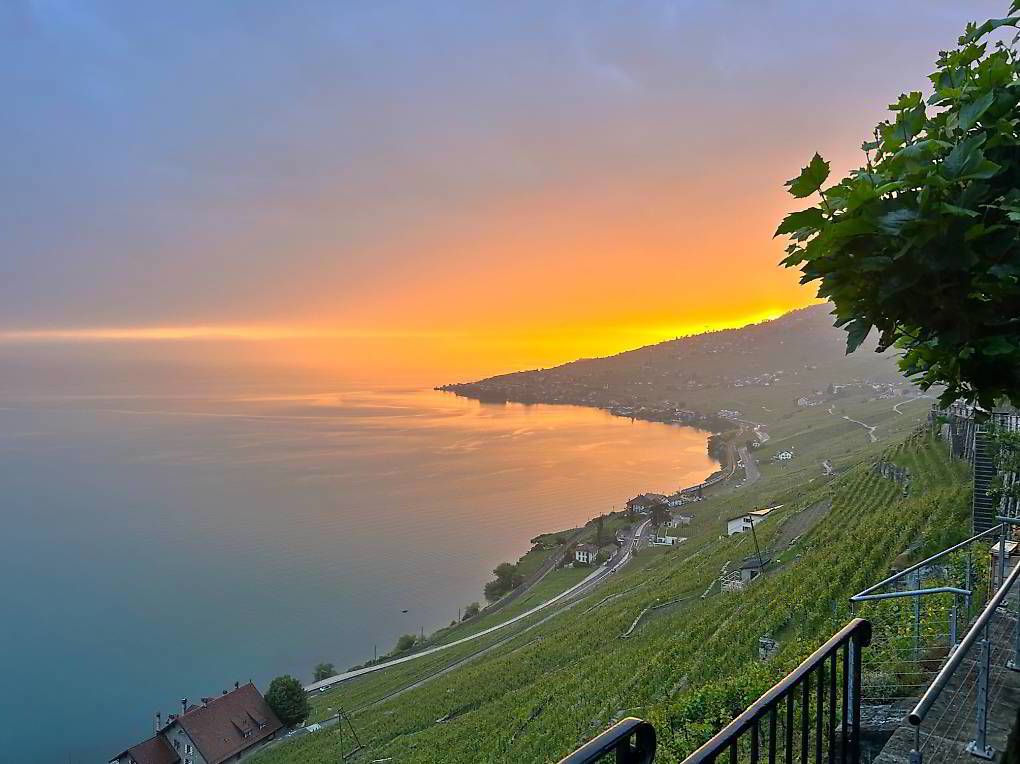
[157, 547]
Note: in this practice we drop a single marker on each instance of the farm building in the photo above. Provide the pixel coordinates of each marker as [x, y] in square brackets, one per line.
[746, 521]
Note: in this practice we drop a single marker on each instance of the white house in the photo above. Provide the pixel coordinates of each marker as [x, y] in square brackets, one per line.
[785, 455]
[747, 520]
[586, 553]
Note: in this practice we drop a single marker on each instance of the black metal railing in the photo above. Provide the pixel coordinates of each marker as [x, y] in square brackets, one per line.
[812, 715]
[630, 741]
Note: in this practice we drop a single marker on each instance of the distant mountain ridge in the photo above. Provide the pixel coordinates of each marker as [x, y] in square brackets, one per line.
[791, 356]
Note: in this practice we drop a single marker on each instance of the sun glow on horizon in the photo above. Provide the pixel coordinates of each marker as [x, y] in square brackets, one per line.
[387, 353]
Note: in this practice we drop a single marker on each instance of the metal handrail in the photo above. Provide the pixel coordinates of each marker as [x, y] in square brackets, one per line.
[910, 593]
[857, 628]
[632, 740]
[917, 566]
[917, 715]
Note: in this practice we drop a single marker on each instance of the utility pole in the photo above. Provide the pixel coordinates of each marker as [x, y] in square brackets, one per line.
[757, 549]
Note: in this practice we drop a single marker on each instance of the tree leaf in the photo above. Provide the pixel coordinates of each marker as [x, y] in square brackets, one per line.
[952, 209]
[999, 346]
[965, 156]
[976, 33]
[971, 112]
[810, 179]
[894, 221]
[812, 218]
[856, 332]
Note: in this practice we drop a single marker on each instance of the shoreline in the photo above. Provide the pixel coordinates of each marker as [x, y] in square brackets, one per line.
[664, 414]
[571, 536]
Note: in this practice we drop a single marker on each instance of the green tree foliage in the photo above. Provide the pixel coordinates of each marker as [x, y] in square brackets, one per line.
[507, 578]
[324, 671]
[405, 642]
[660, 514]
[471, 610]
[718, 446]
[1005, 449]
[287, 698]
[920, 243]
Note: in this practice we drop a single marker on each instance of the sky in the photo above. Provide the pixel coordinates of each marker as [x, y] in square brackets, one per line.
[428, 189]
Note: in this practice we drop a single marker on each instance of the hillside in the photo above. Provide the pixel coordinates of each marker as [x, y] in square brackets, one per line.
[768, 367]
[537, 691]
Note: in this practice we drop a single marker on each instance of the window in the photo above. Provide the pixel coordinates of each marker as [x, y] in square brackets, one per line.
[188, 749]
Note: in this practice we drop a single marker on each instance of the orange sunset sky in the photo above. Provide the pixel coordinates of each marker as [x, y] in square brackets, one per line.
[431, 191]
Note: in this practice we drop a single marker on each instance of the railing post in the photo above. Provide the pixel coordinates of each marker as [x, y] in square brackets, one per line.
[979, 745]
[852, 683]
[1002, 555]
[917, 615]
[916, 757]
[857, 643]
[952, 625]
[1014, 662]
[970, 580]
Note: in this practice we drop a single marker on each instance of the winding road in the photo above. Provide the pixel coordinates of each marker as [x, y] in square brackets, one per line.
[621, 558]
[870, 428]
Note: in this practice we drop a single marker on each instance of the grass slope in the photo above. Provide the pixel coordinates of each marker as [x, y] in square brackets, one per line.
[554, 682]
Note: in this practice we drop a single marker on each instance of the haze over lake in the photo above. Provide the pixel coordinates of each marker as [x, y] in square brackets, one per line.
[161, 547]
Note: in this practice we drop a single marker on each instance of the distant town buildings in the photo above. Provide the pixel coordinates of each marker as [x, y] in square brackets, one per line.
[219, 730]
[643, 503]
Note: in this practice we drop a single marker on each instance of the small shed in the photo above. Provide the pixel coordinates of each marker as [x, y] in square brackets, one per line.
[752, 567]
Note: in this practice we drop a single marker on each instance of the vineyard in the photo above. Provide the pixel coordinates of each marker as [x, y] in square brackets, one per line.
[689, 666]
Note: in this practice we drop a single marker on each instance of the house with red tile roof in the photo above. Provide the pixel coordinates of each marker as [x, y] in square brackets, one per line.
[219, 730]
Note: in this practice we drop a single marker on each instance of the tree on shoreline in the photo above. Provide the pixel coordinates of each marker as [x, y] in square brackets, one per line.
[405, 642]
[288, 700]
[324, 671]
[507, 578]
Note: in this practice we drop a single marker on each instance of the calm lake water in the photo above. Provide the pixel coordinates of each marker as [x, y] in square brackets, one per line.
[156, 548]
